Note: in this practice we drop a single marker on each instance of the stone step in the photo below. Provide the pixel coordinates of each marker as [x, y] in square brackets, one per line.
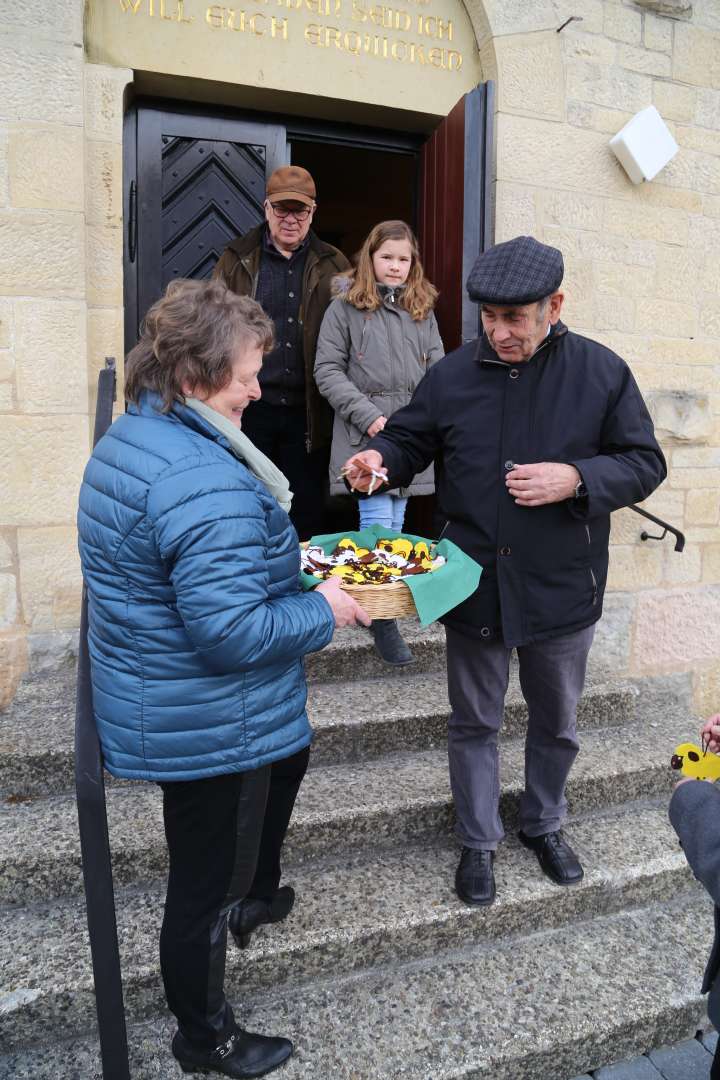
[389, 802]
[549, 1005]
[364, 910]
[353, 721]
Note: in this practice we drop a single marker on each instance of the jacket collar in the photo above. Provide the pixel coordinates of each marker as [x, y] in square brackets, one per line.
[252, 241]
[487, 355]
[150, 404]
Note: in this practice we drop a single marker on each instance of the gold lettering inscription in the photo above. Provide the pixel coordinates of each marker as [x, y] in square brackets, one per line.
[215, 16]
[430, 26]
[279, 28]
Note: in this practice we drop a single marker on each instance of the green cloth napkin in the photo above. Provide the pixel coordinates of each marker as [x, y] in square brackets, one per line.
[435, 593]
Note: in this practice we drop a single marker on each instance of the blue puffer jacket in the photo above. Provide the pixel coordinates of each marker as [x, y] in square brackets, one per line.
[197, 622]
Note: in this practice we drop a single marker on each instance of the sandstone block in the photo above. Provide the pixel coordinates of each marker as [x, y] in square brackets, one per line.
[635, 58]
[622, 24]
[515, 211]
[702, 506]
[7, 557]
[572, 210]
[13, 665]
[675, 630]
[7, 397]
[586, 115]
[614, 312]
[673, 351]
[586, 46]
[6, 324]
[680, 416]
[43, 253]
[677, 268]
[614, 280]
[657, 194]
[634, 567]
[687, 479]
[674, 101]
[50, 577]
[681, 378]
[695, 457]
[43, 19]
[681, 568]
[625, 528]
[104, 101]
[696, 56]
[578, 287]
[613, 87]
[605, 247]
[676, 9]
[706, 690]
[50, 354]
[705, 13]
[707, 109]
[4, 168]
[531, 75]
[566, 157]
[46, 167]
[657, 33]
[7, 365]
[520, 16]
[711, 564]
[625, 218]
[8, 601]
[103, 163]
[704, 233]
[41, 80]
[666, 317]
[41, 462]
[104, 266]
[667, 504]
[710, 319]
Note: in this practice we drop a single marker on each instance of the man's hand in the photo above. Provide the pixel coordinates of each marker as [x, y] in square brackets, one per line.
[710, 734]
[377, 426]
[542, 483]
[346, 611]
[359, 469]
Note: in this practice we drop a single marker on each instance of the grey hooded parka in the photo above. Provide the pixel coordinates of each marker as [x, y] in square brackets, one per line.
[367, 365]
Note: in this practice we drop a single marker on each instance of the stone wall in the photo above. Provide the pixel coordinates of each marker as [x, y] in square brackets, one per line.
[60, 312]
[642, 276]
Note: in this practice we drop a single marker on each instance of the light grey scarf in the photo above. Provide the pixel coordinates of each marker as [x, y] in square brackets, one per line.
[259, 465]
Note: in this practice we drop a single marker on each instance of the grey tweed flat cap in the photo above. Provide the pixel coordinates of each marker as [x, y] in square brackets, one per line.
[520, 271]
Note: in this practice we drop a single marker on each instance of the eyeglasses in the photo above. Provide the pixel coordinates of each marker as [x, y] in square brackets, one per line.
[299, 215]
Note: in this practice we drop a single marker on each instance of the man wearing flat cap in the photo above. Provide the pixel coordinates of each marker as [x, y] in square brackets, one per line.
[285, 267]
[542, 434]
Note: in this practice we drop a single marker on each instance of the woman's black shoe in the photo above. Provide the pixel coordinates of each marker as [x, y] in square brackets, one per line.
[244, 1055]
[248, 914]
[389, 643]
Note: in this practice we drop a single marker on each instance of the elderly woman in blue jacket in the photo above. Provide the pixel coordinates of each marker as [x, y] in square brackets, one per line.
[197, 630]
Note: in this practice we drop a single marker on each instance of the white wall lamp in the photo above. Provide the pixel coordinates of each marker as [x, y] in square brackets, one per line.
[644, 146]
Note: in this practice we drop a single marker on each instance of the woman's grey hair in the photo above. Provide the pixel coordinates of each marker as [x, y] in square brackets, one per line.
[191, 337]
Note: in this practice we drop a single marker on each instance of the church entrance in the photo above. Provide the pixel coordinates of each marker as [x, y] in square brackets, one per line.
[195, 179]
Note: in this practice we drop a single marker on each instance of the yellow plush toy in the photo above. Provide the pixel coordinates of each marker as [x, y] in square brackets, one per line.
[692, 761]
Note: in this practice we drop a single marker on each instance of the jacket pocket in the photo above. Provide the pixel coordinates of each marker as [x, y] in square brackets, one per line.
[593, 582]
[354, 435]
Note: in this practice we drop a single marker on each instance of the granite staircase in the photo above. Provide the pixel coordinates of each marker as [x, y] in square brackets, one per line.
[380, 972]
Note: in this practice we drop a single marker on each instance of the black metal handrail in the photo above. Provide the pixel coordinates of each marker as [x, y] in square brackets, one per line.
[644, 535]
[92, 821]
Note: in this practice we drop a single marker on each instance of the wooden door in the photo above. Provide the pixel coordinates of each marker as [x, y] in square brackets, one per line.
[199, 182]
[455, 222]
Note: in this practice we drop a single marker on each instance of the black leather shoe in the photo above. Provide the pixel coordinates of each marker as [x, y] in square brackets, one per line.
[249, 914]
[390, 644]
[557, 859]
[474, 877]
[244, 1055]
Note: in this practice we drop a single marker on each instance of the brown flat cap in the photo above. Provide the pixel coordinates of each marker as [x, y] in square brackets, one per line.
[291, 183]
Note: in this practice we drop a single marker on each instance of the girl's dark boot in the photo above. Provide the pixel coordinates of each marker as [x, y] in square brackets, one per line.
[389, 642]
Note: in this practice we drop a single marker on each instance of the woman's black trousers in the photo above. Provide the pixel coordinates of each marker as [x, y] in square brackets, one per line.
[213, 829]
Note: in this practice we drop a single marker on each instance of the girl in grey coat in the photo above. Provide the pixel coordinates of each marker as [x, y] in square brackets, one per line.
[378, 338]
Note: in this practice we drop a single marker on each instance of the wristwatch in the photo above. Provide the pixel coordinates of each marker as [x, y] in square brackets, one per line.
[580, 489]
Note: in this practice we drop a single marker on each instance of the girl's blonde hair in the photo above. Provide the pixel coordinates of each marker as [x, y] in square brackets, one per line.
[419, 295]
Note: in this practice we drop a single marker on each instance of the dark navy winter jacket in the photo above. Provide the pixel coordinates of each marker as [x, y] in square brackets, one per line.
[574, 401]
[197, 622]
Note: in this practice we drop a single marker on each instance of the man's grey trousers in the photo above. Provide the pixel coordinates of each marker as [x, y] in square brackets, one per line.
[552, 674]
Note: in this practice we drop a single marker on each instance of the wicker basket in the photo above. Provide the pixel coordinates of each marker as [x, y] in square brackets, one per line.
[391, 601]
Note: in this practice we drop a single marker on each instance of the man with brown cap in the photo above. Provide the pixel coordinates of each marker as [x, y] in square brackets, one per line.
[542, 433]
[286, 268]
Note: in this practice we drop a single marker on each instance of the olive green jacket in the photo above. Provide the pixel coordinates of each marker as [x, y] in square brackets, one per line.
[239, 267]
